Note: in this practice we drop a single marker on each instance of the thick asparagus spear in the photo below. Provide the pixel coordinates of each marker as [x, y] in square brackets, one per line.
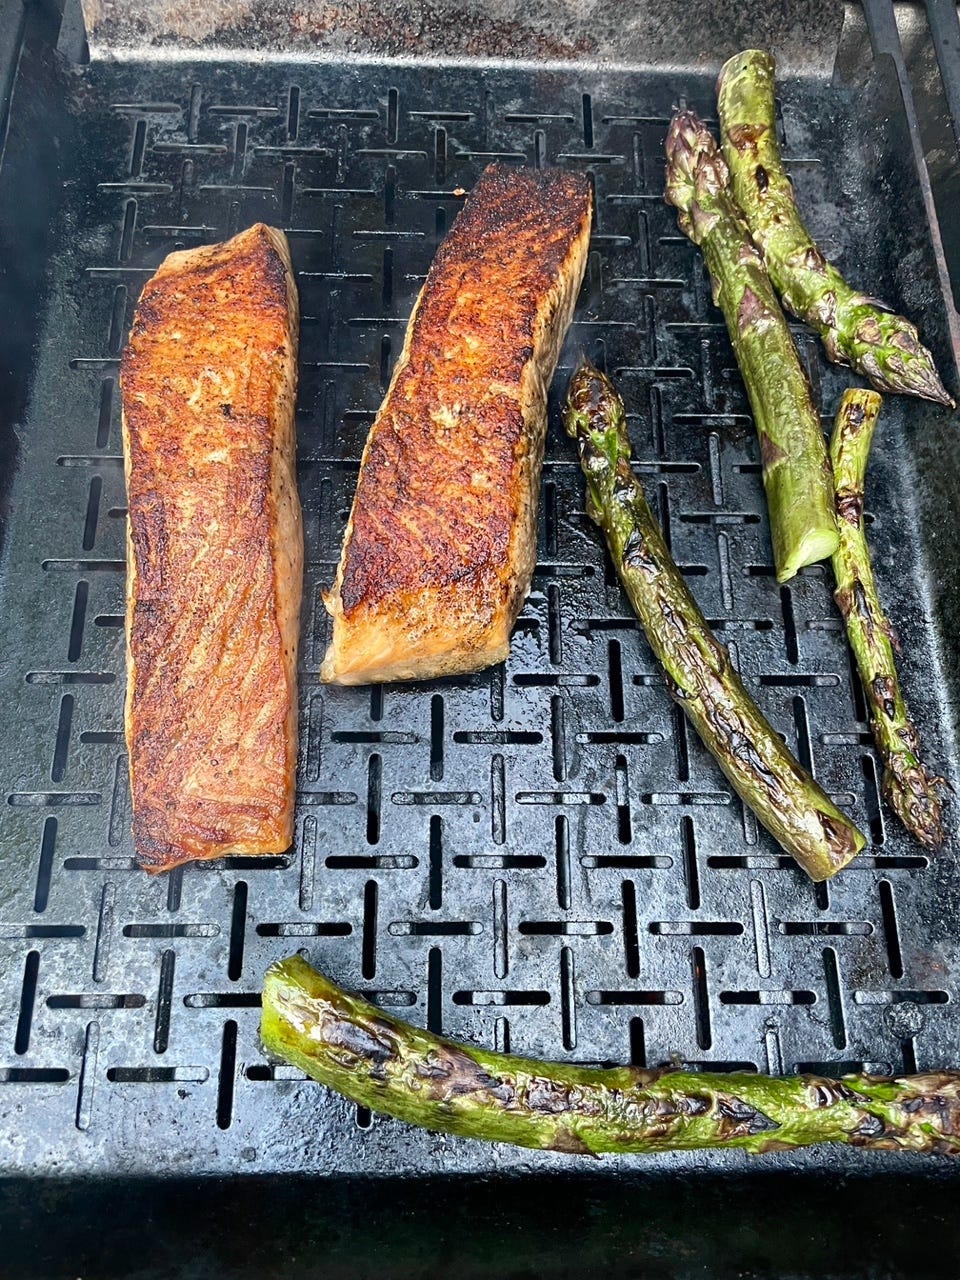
[908, 785]
[856, 330]
[793, 453]
[385, 1064]
[699, 675]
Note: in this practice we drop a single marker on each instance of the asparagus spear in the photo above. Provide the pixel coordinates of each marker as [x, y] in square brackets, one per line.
[793, 454]
[699, 675]
[856, 330]
[385, 1064]
[908, 785]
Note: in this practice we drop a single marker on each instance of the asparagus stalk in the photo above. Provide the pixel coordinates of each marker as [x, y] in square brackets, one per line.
[700, 677]
[793, 454]
[856, 330]
[908, 785]
[387, 1065]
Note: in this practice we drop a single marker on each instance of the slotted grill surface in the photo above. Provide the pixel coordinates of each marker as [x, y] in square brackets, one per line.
[540, 857]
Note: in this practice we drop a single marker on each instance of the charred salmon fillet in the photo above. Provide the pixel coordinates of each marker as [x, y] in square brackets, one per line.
[440, 546]
[214, 552]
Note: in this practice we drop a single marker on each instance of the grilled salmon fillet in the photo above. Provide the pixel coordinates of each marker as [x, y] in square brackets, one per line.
[441, 542]
[214, 552]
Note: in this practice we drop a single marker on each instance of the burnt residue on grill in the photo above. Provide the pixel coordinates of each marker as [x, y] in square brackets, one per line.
[563, 31]
[378, 28]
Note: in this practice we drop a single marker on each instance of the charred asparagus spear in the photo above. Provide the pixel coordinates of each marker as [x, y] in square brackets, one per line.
[856, 330]
[699, 674]
[793, 453]
[908, 785]
[385, 1064]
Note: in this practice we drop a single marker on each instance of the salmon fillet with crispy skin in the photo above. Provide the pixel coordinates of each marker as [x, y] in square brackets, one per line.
[214, 552]
[440, 546]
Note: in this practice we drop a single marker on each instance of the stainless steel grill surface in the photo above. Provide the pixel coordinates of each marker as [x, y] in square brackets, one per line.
[539, 857]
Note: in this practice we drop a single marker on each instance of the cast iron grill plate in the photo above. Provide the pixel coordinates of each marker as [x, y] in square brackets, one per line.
[540, 857]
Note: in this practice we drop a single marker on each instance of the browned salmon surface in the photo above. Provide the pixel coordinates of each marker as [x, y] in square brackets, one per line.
[214, 553]
[440, 547]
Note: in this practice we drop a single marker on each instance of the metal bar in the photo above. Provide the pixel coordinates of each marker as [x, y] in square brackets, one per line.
[885, 39]
[12, 22]
[944, 26]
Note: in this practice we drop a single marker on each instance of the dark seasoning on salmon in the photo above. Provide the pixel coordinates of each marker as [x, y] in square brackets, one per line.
[215, 553]
[439, 550]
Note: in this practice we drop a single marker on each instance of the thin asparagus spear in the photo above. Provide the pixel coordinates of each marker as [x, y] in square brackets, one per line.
[699, 675]
[793, 454]
[856, 330]
[380, 1062]
[908, 785]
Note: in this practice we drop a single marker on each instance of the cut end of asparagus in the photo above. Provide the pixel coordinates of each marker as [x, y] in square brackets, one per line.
[819, 544]
[850, 444]
[756, 64]
[843, 842]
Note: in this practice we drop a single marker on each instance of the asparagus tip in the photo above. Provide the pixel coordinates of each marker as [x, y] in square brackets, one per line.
[693, 160]
[913, 792]
[920, 378]
[593, 415]
[888, 351]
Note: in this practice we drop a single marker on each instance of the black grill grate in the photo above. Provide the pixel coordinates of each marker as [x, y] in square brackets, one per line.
[541, 857]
